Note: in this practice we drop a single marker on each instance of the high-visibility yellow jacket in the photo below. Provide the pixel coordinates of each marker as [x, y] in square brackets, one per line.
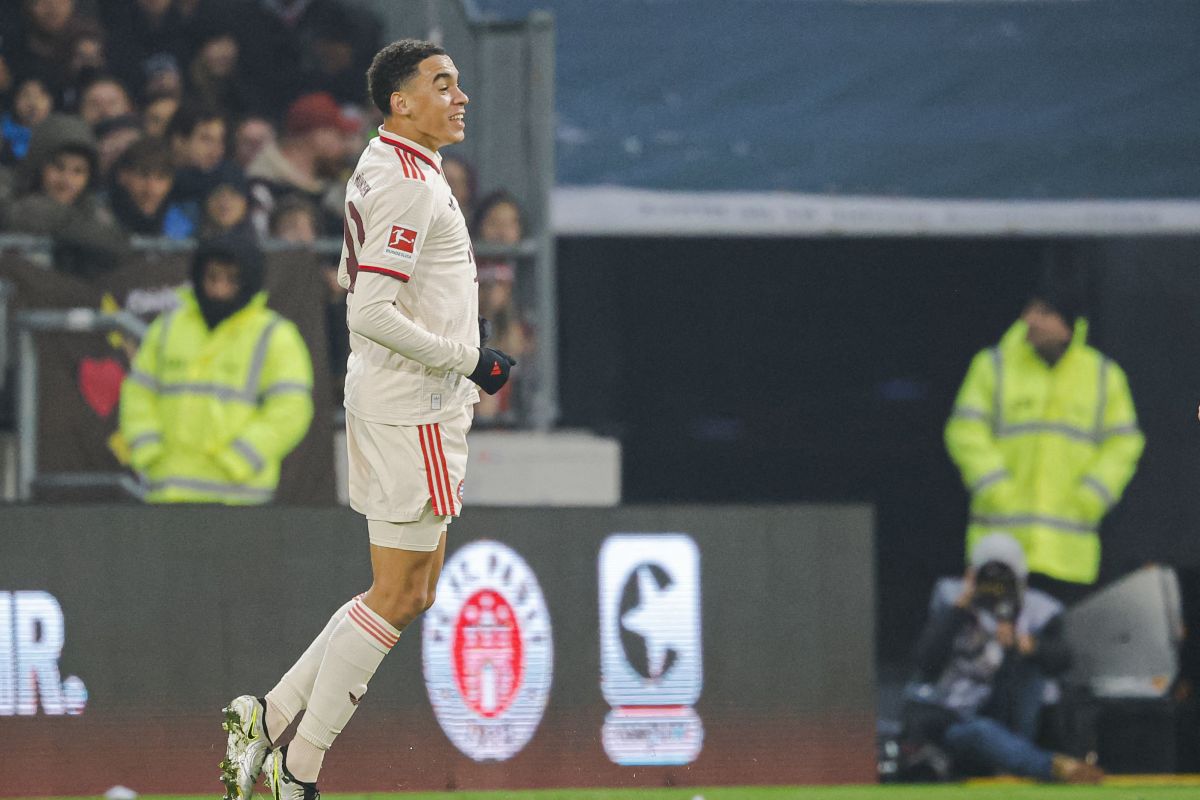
[1045, 451]
[208, 415]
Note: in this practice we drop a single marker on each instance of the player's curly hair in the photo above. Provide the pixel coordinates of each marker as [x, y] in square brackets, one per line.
[394, 66]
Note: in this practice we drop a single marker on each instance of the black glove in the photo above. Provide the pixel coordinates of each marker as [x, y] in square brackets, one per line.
[485, 331]
[492, 372]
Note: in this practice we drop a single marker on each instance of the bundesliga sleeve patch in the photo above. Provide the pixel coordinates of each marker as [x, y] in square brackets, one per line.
[401, 242]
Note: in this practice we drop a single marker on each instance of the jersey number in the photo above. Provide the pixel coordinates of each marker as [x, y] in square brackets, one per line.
[351, 252]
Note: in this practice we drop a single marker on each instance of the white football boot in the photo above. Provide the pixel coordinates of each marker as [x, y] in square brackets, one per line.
[281, 783]
[246, 748]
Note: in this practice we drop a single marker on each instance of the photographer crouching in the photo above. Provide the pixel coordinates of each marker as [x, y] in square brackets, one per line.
[983, 662]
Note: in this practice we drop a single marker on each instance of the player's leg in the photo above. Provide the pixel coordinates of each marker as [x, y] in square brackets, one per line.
[253, 723]
[399, 593]
[290, 696]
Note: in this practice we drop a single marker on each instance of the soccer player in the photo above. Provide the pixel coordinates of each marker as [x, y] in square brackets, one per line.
[410, 386]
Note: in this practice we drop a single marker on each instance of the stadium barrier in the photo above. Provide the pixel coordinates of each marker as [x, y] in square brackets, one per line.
[656, 645]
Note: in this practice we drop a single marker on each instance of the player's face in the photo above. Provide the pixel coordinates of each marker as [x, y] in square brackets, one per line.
[432, 106]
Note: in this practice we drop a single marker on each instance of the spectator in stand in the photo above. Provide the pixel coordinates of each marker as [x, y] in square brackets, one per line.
[227, 209]
[157, 114]
[498, 221]
[461, 177]
[295, 220]
[114, 137]
[983, 661]
[88, 59]
[213, 74]
[146, 30]
[252, 135]
[161, 76]
[248, 381]
[104, 98]
[43, 46]
[339, 42]
[197, 137]
[305, 163]
[32, 104]
[55, 198]
[140, 189]
[282, 32]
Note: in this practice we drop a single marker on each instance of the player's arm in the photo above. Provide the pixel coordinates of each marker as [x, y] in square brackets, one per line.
[391, 232]
[968, 436]
[374, 315]
[140, 421]
[285, 407]
[1121, 446]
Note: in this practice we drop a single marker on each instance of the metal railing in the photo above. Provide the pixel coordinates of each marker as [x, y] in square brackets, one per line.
[75, 320]
[540, 414]
[6, 291]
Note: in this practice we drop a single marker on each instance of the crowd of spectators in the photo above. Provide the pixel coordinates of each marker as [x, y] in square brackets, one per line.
[188, 119]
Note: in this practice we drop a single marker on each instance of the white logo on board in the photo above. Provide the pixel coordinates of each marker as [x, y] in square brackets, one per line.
[487, 652]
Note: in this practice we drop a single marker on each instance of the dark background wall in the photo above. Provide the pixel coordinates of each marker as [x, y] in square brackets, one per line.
[169, 612]
[780, 370]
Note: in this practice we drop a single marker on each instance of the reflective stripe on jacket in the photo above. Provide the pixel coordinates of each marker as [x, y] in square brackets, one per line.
[1045, 451]
[208, 415]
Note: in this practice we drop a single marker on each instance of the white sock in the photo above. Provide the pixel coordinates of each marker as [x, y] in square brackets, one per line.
[290, 695]
[356, 648]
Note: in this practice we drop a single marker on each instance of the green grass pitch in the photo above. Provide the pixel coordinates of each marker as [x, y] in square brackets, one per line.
[1118, 789]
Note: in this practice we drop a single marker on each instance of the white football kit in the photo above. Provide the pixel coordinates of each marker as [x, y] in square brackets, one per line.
[413, 313]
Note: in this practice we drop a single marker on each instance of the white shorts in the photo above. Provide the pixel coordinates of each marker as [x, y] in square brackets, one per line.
[397, 472]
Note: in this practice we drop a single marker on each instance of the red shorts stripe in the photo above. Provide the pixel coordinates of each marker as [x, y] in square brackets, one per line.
[371, 628]
[426, 451]
[391, 273]
[437, 428]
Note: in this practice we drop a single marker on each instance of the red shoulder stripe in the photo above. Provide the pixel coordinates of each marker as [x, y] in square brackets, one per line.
[416, 153]
[384, 271]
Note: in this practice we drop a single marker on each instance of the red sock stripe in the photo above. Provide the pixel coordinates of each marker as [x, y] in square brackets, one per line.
[425, 451]
[437, 428]
[361, 615]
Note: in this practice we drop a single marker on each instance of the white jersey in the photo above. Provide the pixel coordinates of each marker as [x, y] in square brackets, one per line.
[414, 303]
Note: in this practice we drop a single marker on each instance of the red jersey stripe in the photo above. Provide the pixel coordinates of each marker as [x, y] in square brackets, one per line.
[437, 427]
[433, 493]
[415, 153]
[403, 163]
[412, 161]
[400, 276]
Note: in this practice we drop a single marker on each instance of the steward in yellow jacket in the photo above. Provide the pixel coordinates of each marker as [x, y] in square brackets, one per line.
[1046, 438]
[221, 387]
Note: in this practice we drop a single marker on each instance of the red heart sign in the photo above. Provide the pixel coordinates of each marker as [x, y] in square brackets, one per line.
[100, 384]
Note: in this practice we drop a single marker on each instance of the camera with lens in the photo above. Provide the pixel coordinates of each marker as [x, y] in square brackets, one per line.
[997, 592]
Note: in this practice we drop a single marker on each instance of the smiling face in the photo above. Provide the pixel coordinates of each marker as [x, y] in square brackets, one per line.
[429, 109]
[65, 176]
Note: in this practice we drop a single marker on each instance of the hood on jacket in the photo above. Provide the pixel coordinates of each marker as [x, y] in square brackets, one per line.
[58, 132]
[235, 249]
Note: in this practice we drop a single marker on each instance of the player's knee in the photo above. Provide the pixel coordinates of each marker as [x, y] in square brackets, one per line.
[430, 597]
[402, 606]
